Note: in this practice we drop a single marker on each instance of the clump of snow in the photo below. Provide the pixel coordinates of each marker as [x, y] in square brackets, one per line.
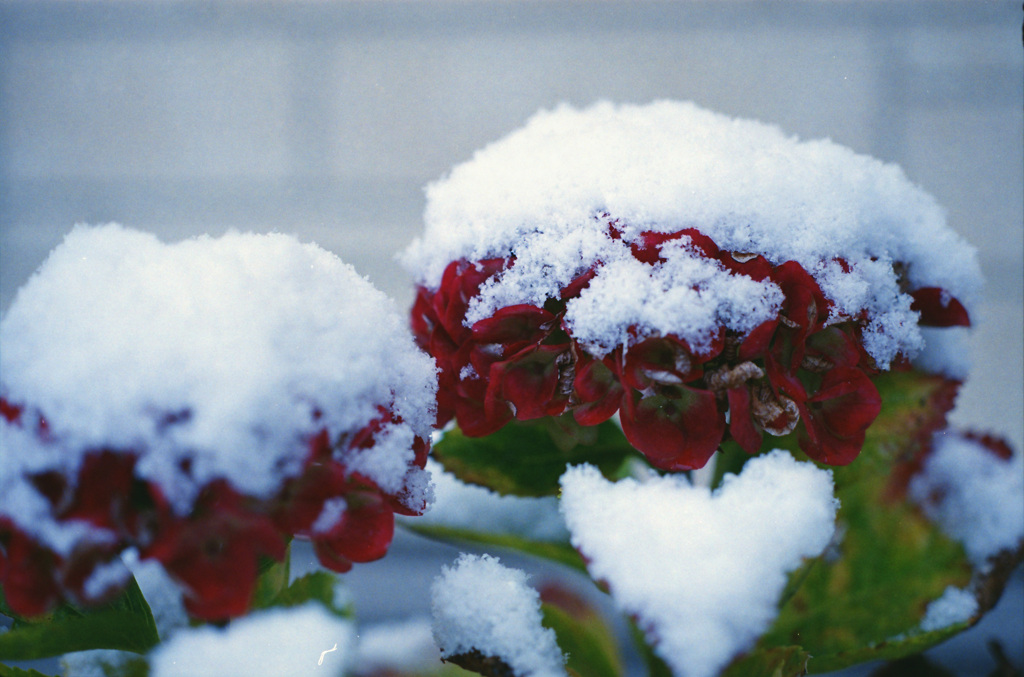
[458, 505]
[547, 192]
[403, 647]
[304, 640]
[702, 571]
[219, 354]
[974, 495]
[479, 604]
[955, 606]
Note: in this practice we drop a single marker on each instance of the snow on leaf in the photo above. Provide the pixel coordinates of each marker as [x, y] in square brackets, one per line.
[701, 571]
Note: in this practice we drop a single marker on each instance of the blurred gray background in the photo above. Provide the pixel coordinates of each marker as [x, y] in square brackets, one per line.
[326, 120]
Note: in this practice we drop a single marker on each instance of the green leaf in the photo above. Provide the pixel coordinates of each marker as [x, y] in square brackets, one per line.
[865, 600]
[656, 667]
[526, 458]
[582, 633]
[782, 661]
[272, 580]
[560, 552]
[317, 586]
[125, 623]
[7, 671]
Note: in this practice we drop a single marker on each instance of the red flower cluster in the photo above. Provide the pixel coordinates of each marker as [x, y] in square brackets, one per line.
[214, 550]
[799, 371]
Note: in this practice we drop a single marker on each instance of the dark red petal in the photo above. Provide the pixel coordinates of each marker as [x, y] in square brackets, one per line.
[29, 583]
[363, 533]
[804, 303]
[659, 359]
[783, 380]
[522, 323]
[822, 446]
[994, 445]
[10, 412]
[578, 284]
[474, 421]
[529, 382]
[598, 392]
[741, 422]
[833, 347]
[215, 554]
[757, 341]
[81, 567]
[847, 402]
[423, 319]
[680, 432]
[938, 308]
[104, 486]
[648, 248]
[756, 268]
[701, 242]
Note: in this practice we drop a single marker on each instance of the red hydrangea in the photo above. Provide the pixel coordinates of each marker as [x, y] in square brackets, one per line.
[212, 551]
[806, 369]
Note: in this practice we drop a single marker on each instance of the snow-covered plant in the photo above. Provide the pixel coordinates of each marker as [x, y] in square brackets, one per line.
[201, 403]
[704, 363]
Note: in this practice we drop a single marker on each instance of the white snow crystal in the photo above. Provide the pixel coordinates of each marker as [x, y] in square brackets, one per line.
[305, 640]
[973, 494]
[479, 604]
[955, 606]
[546, 192]
[225, 353]
[702, 571]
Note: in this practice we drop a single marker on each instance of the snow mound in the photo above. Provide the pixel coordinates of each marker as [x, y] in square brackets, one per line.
[480, 605]
[702, 571]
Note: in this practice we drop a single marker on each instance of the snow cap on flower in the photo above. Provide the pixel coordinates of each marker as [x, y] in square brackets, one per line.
[227, 391]
[675, 266]
[483, 610]
[701, 571]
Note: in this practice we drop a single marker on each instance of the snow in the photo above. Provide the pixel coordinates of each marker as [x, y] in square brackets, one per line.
[479, 604]
[702, 571]
[547, 192]
[975, 496]
[305, 640]
[458, 505]
[954, 606]
[224, 352]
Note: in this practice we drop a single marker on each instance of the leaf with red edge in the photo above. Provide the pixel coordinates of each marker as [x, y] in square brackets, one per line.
[938, 308]
[865, 600]
[125, 623]
[678, 429]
